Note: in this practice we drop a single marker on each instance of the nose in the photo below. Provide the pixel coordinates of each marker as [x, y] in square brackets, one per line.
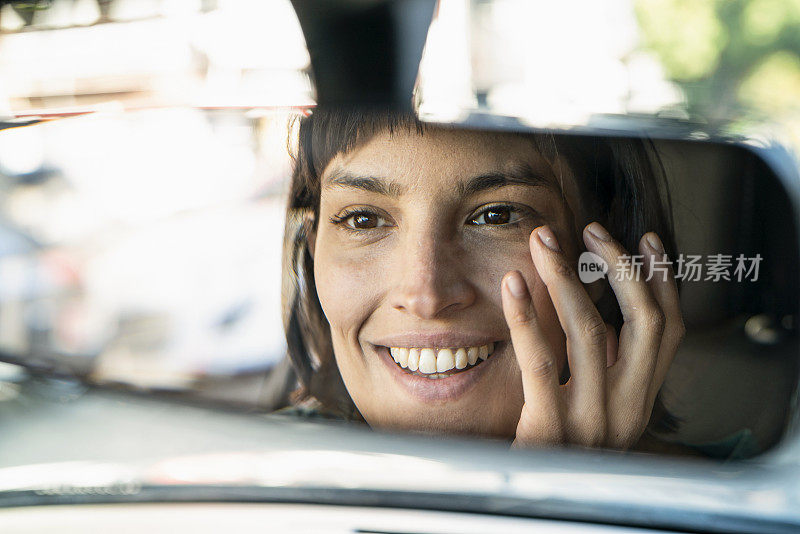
[431, 280]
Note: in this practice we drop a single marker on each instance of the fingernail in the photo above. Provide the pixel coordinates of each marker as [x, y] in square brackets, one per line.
[548, 238]
[597, 230]
[655, 243]
[516, 285]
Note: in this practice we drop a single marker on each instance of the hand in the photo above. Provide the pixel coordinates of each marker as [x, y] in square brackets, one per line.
[609, 397]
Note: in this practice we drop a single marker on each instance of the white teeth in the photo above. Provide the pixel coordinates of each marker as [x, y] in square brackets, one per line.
[461, 358]
[413, 359]
[400, 355]
[427, 361]
[434, 363]
[472, 355]
[445, 360]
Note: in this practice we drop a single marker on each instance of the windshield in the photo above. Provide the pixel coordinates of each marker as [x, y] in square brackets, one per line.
[182, 214]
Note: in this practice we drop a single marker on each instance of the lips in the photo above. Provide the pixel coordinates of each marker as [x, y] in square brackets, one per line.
[434, 363]
[437, 386]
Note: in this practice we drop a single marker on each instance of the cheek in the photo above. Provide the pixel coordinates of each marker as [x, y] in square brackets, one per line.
[494, 260]
[347, 287]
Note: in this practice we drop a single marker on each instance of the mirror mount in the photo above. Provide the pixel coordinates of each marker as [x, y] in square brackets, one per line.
[365, 52]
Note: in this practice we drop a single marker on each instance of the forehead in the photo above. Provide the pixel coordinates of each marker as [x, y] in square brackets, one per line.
[437, 156]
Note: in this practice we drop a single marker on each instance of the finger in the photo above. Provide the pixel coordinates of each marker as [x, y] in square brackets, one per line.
[583, 326]
[661, 280]
[540, 420]
[640, 335]
[612, 345]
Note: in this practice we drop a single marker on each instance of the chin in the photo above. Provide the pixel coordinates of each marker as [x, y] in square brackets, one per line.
[442, 421]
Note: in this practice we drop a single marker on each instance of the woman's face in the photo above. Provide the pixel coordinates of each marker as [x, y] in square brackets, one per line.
[414, 237]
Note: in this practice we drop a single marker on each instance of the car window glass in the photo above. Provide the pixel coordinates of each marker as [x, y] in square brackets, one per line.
[143, 210]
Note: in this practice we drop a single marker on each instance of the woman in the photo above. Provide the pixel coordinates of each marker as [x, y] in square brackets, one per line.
[430, 280]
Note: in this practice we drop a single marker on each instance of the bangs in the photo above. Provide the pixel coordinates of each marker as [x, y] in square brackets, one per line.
[331, 131]
[334, 131]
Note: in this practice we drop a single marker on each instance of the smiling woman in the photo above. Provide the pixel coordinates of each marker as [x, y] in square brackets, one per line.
[430, 280]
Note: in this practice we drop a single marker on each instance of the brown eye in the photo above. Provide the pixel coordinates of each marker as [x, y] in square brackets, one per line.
[364, 221]
[360, 220]
[496, 215]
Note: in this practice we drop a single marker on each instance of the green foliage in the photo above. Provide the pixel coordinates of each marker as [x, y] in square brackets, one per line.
[687, 34]
[728, 56]
[774, 84]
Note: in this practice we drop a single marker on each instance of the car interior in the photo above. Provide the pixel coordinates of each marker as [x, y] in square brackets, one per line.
[146, 150]
[737, 368]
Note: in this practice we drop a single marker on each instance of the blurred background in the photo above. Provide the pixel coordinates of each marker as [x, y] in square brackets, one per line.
[146, 150]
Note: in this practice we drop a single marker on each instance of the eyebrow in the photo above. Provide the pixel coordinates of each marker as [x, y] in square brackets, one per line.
[371, 184]
[522, 174]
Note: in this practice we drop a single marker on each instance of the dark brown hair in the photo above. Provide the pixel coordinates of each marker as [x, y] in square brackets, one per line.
[622, 185]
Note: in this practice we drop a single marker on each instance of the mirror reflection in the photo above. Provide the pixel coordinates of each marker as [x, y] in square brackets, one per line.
[523, 286]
